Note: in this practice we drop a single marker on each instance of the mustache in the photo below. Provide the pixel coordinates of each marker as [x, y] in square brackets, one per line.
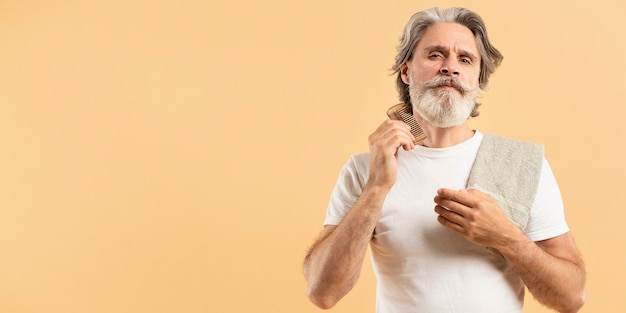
[441, 80]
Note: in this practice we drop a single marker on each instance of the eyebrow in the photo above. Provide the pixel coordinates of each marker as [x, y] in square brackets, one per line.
[444, 49]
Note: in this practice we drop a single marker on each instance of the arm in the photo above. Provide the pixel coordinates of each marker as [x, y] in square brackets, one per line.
[551, 269]
[333, 264]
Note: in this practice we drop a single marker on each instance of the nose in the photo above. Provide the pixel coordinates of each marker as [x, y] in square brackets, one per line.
[449, 68]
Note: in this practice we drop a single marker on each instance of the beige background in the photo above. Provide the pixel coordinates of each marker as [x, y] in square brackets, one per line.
[177, 156]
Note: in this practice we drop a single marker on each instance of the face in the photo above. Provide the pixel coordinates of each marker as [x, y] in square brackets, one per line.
[443, 74]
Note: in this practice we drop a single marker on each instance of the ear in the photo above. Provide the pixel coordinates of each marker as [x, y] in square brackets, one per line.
[404, 73]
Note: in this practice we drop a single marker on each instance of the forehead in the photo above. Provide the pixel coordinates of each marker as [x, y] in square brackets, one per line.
[452, 36]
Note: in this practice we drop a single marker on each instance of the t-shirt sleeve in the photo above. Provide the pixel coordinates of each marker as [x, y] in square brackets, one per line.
[547, 217]
[347, 190]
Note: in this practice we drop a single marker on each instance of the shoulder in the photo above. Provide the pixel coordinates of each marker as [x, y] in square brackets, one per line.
[500, 147]
[360, 162]
[502, 140]
[355, 170]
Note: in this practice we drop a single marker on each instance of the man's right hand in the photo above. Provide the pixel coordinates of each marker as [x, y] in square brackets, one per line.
[384, 144]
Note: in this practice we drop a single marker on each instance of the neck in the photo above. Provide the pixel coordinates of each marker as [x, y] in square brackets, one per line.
[437, 137]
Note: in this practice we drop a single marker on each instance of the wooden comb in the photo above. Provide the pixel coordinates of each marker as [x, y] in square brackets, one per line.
[400, 112]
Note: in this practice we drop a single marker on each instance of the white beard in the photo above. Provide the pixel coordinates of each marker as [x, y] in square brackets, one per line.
[442, 107]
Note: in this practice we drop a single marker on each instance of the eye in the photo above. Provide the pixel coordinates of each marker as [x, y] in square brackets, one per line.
[435, 55]
[465, 60]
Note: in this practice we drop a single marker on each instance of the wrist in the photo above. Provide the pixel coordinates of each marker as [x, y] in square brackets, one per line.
[376, 189]
[512, 244]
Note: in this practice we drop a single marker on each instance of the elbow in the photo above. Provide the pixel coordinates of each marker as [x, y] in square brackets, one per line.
[579, 302]
[575, 304]
[325, 290]
[315, 293]
[323, 300]
[319, 296]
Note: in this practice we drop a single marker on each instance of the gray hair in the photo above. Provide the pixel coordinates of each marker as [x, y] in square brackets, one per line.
[417, 25]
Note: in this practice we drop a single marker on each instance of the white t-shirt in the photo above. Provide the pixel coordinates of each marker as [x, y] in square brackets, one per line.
[422, 266]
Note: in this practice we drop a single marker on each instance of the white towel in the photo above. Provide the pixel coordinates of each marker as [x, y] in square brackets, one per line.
[509, 171]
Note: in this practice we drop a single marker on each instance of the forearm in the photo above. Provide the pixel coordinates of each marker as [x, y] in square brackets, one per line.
[556, 281]
[333, 265]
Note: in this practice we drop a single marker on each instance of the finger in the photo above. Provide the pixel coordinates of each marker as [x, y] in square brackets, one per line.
[478, 193]
[411, 136]
[389, 129]
[397, 135]
[452, 206]
[454, 201]
[450, 225]
[463, 196]
[450, 215]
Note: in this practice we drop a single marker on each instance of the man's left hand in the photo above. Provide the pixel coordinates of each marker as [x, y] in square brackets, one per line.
[475, 215]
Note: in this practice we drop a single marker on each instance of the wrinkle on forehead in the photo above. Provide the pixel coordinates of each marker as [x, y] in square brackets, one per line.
[449, 37]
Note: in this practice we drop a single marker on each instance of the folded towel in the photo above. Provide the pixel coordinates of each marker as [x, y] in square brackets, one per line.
[509, 171]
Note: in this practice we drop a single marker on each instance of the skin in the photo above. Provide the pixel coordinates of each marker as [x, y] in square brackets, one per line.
[551, 269]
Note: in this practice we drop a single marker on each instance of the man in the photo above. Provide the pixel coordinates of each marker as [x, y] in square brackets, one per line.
[437, 245]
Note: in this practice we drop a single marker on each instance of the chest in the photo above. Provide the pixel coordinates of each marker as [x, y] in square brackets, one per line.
[408, 222]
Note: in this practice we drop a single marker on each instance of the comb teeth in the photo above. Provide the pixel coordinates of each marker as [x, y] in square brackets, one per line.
[400, 112]
[416, 130]
[408, 118]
